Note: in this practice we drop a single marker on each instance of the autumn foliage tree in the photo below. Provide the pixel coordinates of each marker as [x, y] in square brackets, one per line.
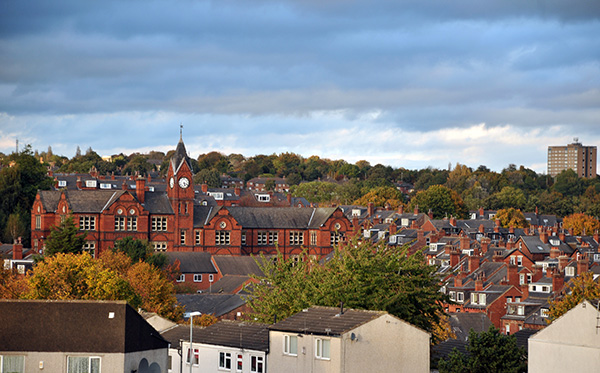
[581, 223]
[579, 288]
[441, 200]
[382, 196]
[511, 218]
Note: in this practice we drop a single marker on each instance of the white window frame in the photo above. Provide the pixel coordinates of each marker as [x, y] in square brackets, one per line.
[198, 237]
[132, 223]
[38, 222]
[90, 359]
[89, 247]
[182, 237]
[482, 298]
[90, 183]
[290, 345]
[460, 297]
[197, 277]
[120, 223]
[262, 238]
[159, 246]
[2, 357]
[322, 349]
[273, 238]
[239, 362]
[87, 223]
[62, 183]
[159, 223]
[224, 358]
[222, 238]
[181, 278]
[257, 364]
[211, 277]
[296, 238]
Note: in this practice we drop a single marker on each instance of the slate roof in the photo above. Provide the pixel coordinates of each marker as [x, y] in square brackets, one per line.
[280, 217]
[180, 156]
[157, 203]
[75, 326]
[212, 304]
[463, 322]
[443, 349]
[229, 284]
[522, 337]
[236, 334]
[203, 214]
[325, 321]
[192, 262]
[237, 265]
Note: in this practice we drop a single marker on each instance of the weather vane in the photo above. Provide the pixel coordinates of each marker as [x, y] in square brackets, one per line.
[180, 131]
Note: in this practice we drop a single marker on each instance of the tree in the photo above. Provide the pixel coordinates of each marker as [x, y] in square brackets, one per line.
[441, 201]
[361, 275]
[487, 352]
[210, 177]
[77, 276]
[140, 250]
[316, 191]
[508, 197]
[382, 196]
[15, 227]
[512, 218]
[65, 238]
[579, 288]
[580, 223]
[12, 284]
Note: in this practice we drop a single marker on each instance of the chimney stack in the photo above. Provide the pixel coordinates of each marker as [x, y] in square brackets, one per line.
[401, 209]
[473, 263]
[454, 257]
[563, 260]
[204, 187]
[513, 275]
[289, 198]
[370, 209]
[140, 189]
[485, 243]
[79, 183]
[17, 249]
[558, 281]
[465, 243]
[582, 265]
[544, 236]
[416, 212]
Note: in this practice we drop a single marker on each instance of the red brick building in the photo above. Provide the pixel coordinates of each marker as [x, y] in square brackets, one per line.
[177, 221]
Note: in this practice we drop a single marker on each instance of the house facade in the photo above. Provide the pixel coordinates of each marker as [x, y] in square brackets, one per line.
[324, 339]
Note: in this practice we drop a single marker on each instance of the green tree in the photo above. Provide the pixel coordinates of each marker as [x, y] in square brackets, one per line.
[361, 275]
[65, 238]
[316, 191]
[15, 227]
[211, 177]
[382, 196]
[487, 352]
[581, 287]
[508, 197]
[441, 201]
[139, 251]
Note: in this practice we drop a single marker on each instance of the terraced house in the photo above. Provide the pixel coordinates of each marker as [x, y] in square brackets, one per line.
[177, 220]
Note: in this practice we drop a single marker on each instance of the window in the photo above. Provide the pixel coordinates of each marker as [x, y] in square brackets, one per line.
[273, 238]
[105, 186]
[473, 298]
[570, 271]
[83, 364]
[90, 248]
[182, 237]
[62, 183]
[13, 363]
[239, 363]
[211, 277]
[290, 345]
[38, 222]
[159, 246]
[181, 278]
[261, 238]
[90, 183]
[198, 237]
[222, 237]
[521, 279]
[322, 349]
[452, 295]
[225, 360]
[313, 238]
[243, 238]
[119, 223]
[87, 223]
[482, 299]
[544, 312]
[197, 278]
[296, 238]
[257, 364]
[460, 297]
[159, 223]
[132, 223]
[519, 261]
[520, 310]
[335, 238]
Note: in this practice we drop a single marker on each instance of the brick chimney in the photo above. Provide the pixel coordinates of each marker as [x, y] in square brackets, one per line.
[558, 281]
[525, 290]
[393, 229]
[370, 209]
[497, 256]
[238, 191]
[511, 230]
[485, 244]
[289, 198]
[93, 172]
[510, 244]
[140, 189]
[465, 243]
[79, 183]
[204, 188]
[18, 249]
[582, 265]
[430, 214]
[473, 263]
[554, 253]
[561, 236]
[497, 227]
[478, 284]
[481, 228]
[355, 226]
[544, 236]
[563, 260]
[481, 212]
[454, 257]
[512, 274]
[538, 273]
[458, 280]
[416, 212]
[452, 221]
[149, 178]
[376, 220]
[112, 176]
[401, 209]
[124, 185]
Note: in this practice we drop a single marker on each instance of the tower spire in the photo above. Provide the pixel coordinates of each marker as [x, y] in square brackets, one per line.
[180, 131]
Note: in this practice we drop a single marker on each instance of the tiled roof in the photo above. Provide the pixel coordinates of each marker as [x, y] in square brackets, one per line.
[157, 203]
[280, 217]
[229, 284]
[236, 334]
[325, 321]
[192, 262]
[463, 322]
[237, 265]
[212, 304]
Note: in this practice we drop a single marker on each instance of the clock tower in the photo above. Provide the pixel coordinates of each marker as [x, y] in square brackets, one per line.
[180, 191]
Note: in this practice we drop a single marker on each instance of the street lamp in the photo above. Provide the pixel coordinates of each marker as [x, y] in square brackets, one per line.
[191, 351]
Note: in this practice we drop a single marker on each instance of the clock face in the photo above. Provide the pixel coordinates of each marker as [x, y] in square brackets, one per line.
[171, 182]
[184, 182]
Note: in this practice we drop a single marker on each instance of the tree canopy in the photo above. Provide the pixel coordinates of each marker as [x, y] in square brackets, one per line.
[65, 238]
[581, 223]
[487, 352]
[442, 202]
[512, 218]
[579, 288]
[361, 275]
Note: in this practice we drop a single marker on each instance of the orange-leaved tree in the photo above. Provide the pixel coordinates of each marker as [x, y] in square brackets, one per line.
[581, 222]
[579, 288]
[511, 218]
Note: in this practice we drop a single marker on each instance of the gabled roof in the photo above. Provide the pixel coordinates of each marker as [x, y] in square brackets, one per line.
[236, 334]
[237, 265]
[203, 214]
[462, 323]
[75, 326]
[157, 203]
[229, 284]
[212, 304]
[325, 321]
[280, 217]
[192, 262]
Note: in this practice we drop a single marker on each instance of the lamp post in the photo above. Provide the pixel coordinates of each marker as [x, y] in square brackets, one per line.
[191, 316]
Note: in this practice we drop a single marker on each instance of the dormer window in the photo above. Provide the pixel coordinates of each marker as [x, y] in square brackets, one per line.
[570, 271]
[62, 183]
[543, 312]
[90, 183]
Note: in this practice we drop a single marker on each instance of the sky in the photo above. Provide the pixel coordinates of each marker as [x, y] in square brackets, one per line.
[411, 84]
